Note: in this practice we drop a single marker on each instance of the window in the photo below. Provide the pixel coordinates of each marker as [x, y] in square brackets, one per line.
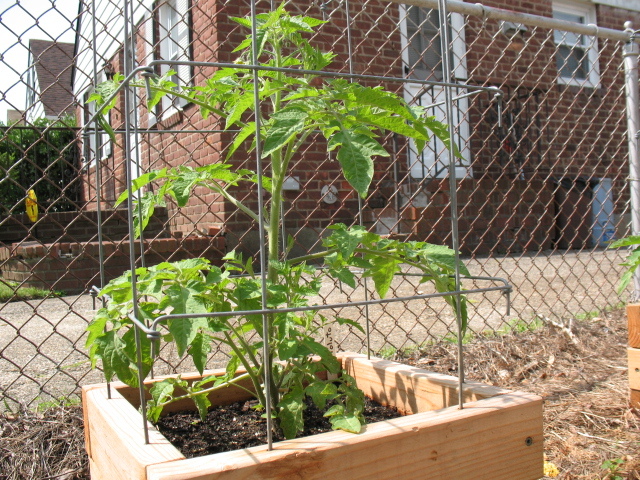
[173, 41]
[422, 58]
[423, 43]
[576, 54]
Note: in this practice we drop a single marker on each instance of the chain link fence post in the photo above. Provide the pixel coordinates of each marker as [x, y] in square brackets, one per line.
[630, 54]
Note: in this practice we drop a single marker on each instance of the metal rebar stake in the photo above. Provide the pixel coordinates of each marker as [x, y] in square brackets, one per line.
[96, 136]
[453, 193]
[128, 69]
[266, 354]
[367, 318]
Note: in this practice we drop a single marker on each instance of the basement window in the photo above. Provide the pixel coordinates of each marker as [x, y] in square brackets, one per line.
[576, 54]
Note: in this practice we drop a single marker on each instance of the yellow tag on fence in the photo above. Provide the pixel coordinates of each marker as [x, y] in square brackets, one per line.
[31, 203]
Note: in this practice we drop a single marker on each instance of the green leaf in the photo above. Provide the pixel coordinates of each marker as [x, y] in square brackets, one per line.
[140, 182]
[184, 330]
[332, 364]
[131, 350]
[143, 211]
[320, 392]
[202, 404]
[442, 256]
[386, 103]
[382, 271]
[115, 361]
[348, 321]
[290, 413]
[164, 82]
[337, 409]
[248, 130]
[232, 366]
[245, 22]
[160, 393]
[346, 240]
[348, 423]
[355, 156]
[311, 22]
[396, 125]
[344, 275]
[285, 124]
[287, 349]
[183, 184]
[626, 242]
[241, 104]
[199, 351]
[96, 326]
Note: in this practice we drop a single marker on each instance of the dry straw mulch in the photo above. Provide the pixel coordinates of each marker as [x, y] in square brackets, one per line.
[48, 445]
[580, 370]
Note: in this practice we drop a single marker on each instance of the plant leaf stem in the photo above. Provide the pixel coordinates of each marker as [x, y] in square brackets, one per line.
[206, 391]
[254, 378]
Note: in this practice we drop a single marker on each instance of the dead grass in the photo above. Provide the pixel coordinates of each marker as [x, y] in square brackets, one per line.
[43, 446]
[580, 371]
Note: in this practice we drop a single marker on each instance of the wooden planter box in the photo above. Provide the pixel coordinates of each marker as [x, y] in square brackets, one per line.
[633, 353]
[498, 435]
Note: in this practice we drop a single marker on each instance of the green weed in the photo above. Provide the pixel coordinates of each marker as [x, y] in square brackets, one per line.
[614, 467]
[11, 292]
[60, 402]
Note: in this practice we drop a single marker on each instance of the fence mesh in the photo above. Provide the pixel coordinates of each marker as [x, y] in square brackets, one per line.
[541, 179]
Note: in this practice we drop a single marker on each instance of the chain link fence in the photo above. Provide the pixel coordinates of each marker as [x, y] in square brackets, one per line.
[541, 189]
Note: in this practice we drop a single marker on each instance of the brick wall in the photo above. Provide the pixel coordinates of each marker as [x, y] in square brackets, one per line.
[75, 267]
[60, 251]
[503, 217]
[74, 227]
[573, 133]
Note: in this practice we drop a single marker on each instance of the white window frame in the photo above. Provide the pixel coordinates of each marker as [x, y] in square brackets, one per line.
[433, 161]
[173, 42]
[589, 44]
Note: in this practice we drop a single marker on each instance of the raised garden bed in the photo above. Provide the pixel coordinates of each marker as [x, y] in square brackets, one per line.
[497, 435]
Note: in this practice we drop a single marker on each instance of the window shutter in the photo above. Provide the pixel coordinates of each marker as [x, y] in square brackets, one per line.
[184, 26]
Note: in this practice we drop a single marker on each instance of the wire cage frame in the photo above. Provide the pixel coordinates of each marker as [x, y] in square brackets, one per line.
[132, 128]
[512, 144]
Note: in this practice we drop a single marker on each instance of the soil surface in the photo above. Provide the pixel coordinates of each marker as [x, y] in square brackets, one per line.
[237, 426]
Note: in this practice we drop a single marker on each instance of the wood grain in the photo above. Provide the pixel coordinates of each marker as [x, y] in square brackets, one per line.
[494, 439]
[411, 389]
[633, 355]
[117, 446]
[633, 320]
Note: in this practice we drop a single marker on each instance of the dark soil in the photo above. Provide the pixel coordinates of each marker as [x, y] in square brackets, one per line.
[237, 426]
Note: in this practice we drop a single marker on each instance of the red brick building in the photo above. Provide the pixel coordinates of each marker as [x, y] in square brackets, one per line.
[526, 183]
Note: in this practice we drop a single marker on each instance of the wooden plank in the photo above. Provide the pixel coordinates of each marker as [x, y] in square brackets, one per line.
[116, 438]
[498, 438]
[633, 355]
[224, 396]
[634, 398]
[633, 320]
[411, 389]
[85, 414]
